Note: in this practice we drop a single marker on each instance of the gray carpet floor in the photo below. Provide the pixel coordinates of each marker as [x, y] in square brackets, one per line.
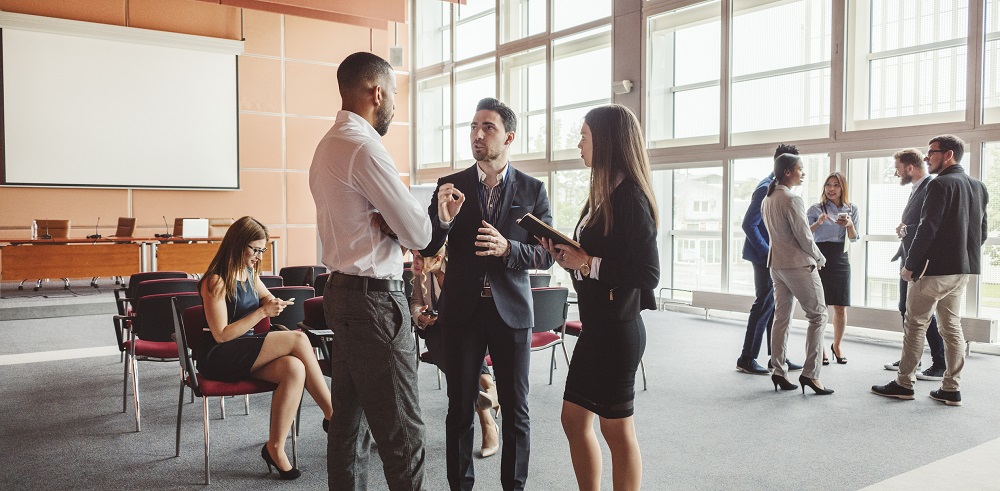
[701, 424]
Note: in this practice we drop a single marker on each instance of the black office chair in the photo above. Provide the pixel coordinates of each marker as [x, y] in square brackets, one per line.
[301, 275]
[292, 315]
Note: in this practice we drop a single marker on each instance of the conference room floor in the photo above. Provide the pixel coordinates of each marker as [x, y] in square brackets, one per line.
[701, 424]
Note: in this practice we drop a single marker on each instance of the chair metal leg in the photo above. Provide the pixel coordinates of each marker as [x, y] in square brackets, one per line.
[439, 377]
[222, 405]
[294, 438]
[135, 394]
[565, 354]
[128, 360]
[246, 404]
[204, 405]
[643, 367]
[180, 409]
[552, 364]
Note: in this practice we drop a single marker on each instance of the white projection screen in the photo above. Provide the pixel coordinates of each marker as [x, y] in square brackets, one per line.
[105, 112]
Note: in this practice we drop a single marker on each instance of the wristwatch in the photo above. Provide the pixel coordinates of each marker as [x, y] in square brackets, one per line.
[585, 268]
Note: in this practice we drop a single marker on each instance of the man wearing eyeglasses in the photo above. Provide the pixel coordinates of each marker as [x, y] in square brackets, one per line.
[364, 213]
[944, 254]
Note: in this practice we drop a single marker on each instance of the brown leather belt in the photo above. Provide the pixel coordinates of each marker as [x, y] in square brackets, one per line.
[364, 283]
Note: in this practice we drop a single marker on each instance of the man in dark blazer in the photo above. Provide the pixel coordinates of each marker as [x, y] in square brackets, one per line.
[486, 298]
[911, 169]
[755, 249]
[945, 253]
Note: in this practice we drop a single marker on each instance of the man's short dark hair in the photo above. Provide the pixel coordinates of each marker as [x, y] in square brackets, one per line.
[783, 148]
[950, 142]
[361, 72]
[506, 113]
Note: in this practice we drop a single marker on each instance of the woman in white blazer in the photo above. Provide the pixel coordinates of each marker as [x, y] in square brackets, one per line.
[794, 260]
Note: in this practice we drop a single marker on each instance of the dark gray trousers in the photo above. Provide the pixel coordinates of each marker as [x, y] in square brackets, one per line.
[374, 387]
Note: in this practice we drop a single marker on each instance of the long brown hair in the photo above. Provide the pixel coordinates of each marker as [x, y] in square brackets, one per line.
[843, 190]
[228, 261]
[619, 154]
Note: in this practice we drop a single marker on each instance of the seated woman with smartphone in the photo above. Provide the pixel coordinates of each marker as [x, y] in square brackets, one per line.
[428, 276]
[235, 300]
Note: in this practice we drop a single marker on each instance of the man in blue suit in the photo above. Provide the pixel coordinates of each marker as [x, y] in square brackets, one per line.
[755, 249]
[486, 298]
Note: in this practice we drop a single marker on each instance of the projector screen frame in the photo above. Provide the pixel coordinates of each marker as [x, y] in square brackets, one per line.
[128, 35]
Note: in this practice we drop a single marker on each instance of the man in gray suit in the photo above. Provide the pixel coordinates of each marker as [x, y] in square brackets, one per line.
[945, 253]
[911, 169]
[486, 297]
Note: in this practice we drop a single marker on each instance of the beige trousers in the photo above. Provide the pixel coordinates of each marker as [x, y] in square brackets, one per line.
[803, 284]
[923, 297]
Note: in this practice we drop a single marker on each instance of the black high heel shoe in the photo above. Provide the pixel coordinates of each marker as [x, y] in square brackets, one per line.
[812, 385]
[841, 360]
[288, 475]
[783, 382]
[326, 425]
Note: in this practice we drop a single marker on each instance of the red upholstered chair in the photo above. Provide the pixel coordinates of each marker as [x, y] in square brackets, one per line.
[319, 283]
[301, 275]
[188, 328]
[314, 325]
[574, 328]
[293, 314]
[551, 309]
[145, 288]
[271, 281]
[150, 338]
[126, 293]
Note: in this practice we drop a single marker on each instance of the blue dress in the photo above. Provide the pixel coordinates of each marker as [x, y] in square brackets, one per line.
[231, 361]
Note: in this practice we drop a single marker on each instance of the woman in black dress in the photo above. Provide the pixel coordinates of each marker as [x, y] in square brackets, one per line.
[235, 301]
[614, 273]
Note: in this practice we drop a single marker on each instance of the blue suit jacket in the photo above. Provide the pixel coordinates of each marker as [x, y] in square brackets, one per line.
[509, 281]
[755, 246]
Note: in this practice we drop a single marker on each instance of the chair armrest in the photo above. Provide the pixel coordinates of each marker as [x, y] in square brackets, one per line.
[279, 327]
[120, 303]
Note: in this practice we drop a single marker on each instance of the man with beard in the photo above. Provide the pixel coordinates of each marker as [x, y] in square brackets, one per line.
[945, 253]
[364, 213]
[486, 298]
[911, 169]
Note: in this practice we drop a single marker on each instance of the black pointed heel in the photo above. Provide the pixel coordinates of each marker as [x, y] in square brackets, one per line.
[841, 360]
[782, 382]
[288, 475]
[812, 385]
[326, 425]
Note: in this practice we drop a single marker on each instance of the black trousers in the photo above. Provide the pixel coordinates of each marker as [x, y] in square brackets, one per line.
[510, 350]
[761, 314]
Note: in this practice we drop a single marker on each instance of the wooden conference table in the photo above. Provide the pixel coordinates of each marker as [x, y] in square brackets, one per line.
[111, 256]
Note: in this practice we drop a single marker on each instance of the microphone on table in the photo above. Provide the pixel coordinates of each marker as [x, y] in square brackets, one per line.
[96, 235]
[167, 227]
[46, 234]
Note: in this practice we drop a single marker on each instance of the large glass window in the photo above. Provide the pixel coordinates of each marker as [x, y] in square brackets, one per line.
[683, 60]
[574, 95]
[882, 205]
[697, 225]
[523, 82]
[567, 198]
[475, 29]
[434, 32]
[780, 70]
[906, 63]
[991, 63]
[472, 83]
[521, 18]
[744, 177]
[989, 290]
[433, 122]
[569, 13]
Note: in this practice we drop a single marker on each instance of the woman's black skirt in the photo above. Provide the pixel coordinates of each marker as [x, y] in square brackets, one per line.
[836, 275]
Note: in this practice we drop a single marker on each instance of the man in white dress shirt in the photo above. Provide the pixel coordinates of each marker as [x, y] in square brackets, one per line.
[364, 214]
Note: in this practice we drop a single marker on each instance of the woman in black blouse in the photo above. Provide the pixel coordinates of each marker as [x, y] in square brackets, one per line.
[614, 273]
[235, 301]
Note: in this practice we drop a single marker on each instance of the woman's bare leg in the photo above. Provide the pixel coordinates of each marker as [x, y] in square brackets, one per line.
[296, 344]
[839, 325]
[584, 450]
[626, 460]
[289, 373]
